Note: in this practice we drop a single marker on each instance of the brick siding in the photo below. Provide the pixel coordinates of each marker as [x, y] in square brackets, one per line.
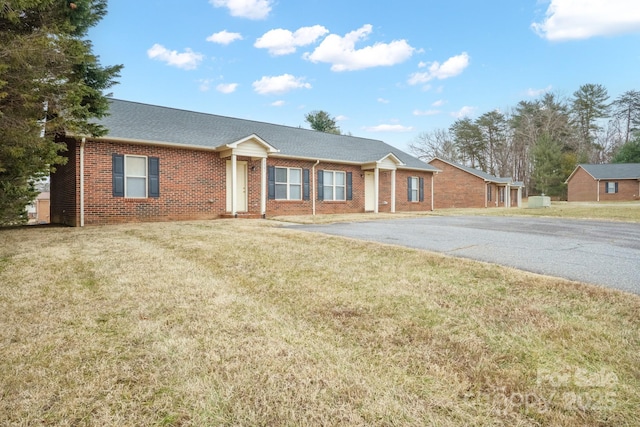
[582, 187]
[455, 188]
[193, 186]
[65, 189]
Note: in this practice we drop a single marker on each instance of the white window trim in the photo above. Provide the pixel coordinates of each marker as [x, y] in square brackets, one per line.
[288, 182]
[334, 186]
[415, 189]
[146, 177]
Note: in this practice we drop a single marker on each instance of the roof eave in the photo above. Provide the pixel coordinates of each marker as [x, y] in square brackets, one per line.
[150, 142]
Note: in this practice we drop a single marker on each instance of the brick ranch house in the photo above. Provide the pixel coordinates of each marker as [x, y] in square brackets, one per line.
[609, 182]
[459, 186]
[162, 164]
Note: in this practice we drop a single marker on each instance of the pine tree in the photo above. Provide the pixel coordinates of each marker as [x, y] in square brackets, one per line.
[322, 122]
[50, 83]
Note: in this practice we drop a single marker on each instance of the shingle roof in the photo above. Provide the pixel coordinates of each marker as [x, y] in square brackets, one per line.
[484, 175]
[613, 170]
[154, 124]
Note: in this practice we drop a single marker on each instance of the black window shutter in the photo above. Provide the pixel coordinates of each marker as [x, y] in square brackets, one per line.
[320, 184]
[421, 189]
[349, 186]
[271, 175]
[606, 186]
[616, 187]
[409, 188]
[117, 161]
[154, 177]
[305, 184]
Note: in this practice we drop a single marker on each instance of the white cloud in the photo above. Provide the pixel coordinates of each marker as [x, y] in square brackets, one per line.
[205, 84]
[537, 92]
[465, 111]
[425, 112]
[284, 42]
[438, 103]
[224, 37]
[341, 118]
[450, 68]
[388, 128]
[582, 19]
[279, 84]
[251, 9]
[227, 87]
[279, 103]
[342, 54]
[383, 101]
[188, 60]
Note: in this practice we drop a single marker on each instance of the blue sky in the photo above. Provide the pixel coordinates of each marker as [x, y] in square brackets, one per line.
[386, 70]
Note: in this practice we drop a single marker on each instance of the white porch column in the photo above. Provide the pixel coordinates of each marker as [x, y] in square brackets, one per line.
[507, 201]
[376, 183]
[263, 186]
[234, 186]
[519, 197]
[598, 191]
[393, 191]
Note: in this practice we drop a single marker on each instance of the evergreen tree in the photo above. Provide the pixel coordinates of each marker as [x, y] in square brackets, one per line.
[493, 128]
[322, 122]
[50, 83]
[626, 108]
[629, 152]
[589, 104]
[469, 142]
[552, 166]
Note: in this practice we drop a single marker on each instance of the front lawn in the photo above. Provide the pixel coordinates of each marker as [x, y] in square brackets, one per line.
[242, 322]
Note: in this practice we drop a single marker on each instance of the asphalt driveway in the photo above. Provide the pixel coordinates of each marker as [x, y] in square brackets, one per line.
[597, 252]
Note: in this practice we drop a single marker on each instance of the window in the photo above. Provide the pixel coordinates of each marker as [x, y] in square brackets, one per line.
[135, 177]
[415, 189]
[288, 183]
[335, 185]
[501, 194]
[610, 187]
[489, 188]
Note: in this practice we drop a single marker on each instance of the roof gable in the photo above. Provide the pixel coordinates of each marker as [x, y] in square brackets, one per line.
[143, 123]
[480, 174]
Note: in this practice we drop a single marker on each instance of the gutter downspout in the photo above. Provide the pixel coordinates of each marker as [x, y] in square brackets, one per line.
[432, 201]
[313, 179]
[82, 143]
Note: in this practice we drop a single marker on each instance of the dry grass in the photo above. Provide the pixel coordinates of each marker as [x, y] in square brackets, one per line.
[247, 323]
[622, 211]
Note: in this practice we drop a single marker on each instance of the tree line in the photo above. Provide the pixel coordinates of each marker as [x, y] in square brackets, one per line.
[540, 142]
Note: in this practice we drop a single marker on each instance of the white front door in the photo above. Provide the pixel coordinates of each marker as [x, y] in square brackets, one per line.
[369, 191]
[241, 186]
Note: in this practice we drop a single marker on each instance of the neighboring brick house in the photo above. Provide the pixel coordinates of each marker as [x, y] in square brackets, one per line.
[162, 164]
[598, 183]
[459, 186]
